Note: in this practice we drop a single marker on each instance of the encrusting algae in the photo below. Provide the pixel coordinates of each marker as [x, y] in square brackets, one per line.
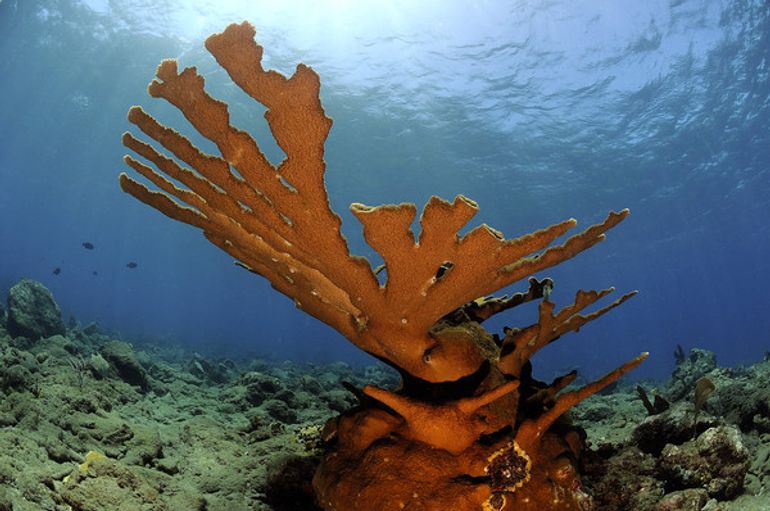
[469, 428]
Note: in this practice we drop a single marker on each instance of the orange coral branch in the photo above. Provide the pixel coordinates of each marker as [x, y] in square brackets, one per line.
[531, 430]
[547, 395]
[520, 345]
[452, 426]
[258, 216]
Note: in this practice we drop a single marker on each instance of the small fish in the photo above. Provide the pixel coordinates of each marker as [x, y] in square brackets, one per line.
[132, 265]
[88, 245]
[56, 271]
[94, 273]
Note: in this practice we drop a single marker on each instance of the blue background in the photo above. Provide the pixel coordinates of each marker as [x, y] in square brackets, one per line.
[538, 110]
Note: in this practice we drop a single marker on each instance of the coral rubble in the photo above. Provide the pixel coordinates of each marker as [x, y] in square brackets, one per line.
[469, 427]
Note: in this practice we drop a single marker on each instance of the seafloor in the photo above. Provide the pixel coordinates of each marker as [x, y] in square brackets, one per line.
[89, 422]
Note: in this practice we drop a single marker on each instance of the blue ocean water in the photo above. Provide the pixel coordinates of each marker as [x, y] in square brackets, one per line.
[540, 110]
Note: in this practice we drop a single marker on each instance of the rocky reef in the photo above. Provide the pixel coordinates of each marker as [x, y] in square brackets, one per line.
[90, 422]
[468, 426]
[692, 455]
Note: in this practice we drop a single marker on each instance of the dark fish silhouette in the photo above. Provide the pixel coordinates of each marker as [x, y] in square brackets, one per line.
[94, 273]
[88, 245]
[132, 265]
[56, 271]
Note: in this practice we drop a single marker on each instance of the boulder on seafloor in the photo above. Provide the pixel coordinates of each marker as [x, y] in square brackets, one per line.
[716, 461]
[121, 357]
[674, 426]
[260, 387]
[32, 311]
[214, 372]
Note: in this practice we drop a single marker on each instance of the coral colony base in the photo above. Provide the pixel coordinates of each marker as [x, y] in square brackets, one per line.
[468, 428]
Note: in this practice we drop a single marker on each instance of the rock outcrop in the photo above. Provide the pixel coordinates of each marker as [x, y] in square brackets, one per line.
[32, 311]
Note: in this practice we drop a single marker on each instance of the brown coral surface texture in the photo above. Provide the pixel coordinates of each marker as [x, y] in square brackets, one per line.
[469, 428]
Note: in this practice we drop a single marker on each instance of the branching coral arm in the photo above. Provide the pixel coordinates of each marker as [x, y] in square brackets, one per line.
[531, 430]
[276, 221]
[452, 427]
[485, 263]
[519, 346]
